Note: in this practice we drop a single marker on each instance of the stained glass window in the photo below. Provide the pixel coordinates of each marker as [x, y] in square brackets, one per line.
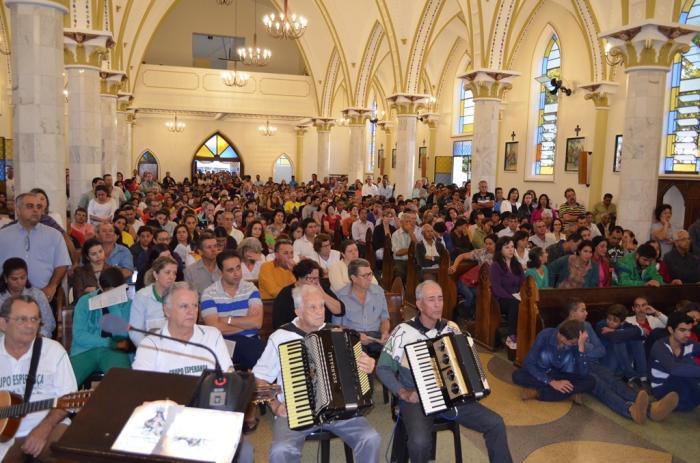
[547, 105]
[147, 163]
[681, 155]
[216, 147]
[461, 161]
[465, 121]
[372, 138]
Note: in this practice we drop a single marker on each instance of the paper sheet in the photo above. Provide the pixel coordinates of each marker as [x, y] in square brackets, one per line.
[166, 428]
[109, 298]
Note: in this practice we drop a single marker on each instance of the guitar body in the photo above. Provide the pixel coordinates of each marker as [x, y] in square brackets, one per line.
[9, 426]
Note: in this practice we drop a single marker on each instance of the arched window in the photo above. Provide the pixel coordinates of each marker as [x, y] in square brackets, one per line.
[465, 120]
[372, 132]
[547, 107]
[681, 155]
[147, 163]
[217, 154]
[282, 169]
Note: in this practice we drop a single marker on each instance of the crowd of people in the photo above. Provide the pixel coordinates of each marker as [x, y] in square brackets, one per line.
[203, 254]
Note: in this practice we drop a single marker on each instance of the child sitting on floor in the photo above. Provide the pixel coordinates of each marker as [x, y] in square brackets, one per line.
[624, 345]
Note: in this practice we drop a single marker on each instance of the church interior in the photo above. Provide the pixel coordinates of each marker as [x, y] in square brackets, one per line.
[596, 95]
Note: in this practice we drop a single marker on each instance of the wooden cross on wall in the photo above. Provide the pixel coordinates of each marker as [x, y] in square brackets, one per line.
[512, 136]
[577, 130]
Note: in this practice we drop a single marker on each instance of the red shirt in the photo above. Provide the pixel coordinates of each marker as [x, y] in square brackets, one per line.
[645, 326]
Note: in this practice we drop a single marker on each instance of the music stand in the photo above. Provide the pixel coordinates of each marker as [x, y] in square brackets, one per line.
[93, 431]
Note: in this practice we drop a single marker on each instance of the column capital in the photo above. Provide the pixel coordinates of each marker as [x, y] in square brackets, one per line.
[111, 81]
[130, 115]
[386, 126]
[323, 124]
[58, 5]
[123, 101]
[649, 45]
[357, 116]
[488, 84]
[301, 130]
[85, 46]
[407, 104]
[598, 92]
[430, 119]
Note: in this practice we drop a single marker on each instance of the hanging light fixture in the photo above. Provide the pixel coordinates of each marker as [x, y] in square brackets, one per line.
[175, 126]
[224, 2]
[234, 78]
[255, 56]
[267, 130]
[285, 26]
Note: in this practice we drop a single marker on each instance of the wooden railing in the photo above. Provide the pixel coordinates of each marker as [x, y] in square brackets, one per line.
[488, 311]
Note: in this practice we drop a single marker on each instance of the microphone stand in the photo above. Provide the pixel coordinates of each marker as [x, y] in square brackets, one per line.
[220, 378]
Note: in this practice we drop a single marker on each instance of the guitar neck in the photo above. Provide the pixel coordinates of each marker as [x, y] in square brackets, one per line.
[18, 410]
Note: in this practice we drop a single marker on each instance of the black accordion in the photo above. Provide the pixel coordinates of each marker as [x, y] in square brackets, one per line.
[321, 380]
[447, 372]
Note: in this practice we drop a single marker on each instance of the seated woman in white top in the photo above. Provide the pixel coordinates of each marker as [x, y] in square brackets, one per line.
[250, 250]
[324, 255]
[511, 203]
[101, 209]
[181, 307]
[338, 272]
[147, 306]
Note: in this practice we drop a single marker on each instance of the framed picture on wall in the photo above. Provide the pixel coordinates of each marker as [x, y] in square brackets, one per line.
[393, 158]
[510, 160]
[617, 160]
[574, 149]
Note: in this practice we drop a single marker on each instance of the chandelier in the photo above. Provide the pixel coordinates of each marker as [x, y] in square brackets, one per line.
[267, 130]
[224, 2]
[234, 78]
[285, 26]
[175, 126]
[255, 56]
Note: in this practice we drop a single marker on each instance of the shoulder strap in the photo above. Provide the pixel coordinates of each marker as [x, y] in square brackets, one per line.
[293, 328]
[33, 364]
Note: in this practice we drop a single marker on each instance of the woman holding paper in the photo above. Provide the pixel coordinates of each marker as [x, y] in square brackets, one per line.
[84, 278]
[92, 349]
[147, 306]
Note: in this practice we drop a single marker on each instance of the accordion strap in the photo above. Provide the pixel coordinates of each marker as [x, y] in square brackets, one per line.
[293, 328]
[418, 326]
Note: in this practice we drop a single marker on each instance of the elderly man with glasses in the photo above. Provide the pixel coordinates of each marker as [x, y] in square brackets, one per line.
[365, 307]
[41, 247]
[683, 266]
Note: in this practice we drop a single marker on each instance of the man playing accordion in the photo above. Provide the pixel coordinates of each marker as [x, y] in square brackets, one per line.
[393, 371]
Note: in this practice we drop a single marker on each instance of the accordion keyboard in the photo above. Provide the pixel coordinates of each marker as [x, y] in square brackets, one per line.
[294, 379]
[427, 379]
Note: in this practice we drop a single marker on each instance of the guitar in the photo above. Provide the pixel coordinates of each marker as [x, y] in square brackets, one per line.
[12, 409]
[265, 393]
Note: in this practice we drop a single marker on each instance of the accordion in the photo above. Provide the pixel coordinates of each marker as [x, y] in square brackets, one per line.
[447, 372]
[321, 380]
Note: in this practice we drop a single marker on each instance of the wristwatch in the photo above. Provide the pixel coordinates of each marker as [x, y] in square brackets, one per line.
[228, 321]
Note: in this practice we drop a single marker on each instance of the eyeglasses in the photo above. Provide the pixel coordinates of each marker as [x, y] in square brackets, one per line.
[311, 279]
[22, 320]
[365, 275]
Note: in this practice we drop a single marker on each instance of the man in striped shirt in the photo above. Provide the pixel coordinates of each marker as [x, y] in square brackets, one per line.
[673, 369]
[233, 306]
[570, 211]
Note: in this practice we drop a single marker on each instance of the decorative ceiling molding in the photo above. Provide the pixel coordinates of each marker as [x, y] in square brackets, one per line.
[503, 18]
[591, 31]
[420, 44]
[329, 83]
[221, 116]
[368, 59]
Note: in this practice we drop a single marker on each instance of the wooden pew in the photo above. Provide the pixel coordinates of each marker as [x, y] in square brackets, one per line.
[394, 301]
[488, 311]
[387, 266]
[369, 250]
[337, 235]
[448, 285]
[411, 275]
[266, 328]
[547, 307]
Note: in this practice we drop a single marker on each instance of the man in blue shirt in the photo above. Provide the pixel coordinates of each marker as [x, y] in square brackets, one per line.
[365, 307]
[673, 368]
[556, 368]
[41, 247]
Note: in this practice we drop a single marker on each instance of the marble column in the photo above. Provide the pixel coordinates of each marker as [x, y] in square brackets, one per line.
[82, 58]
[598, 93]
[123, 144]
[648, 51]
[407, 107]
[37, 98]
[431, 120]
[488, 87]
[359, 153]
[385, 167]
[323, 129]
[111, 82]
[301, 131]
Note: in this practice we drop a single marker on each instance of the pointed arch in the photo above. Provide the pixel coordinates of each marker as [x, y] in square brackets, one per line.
[282, 168]
[217, 151]
[369, 57]
[148, 162]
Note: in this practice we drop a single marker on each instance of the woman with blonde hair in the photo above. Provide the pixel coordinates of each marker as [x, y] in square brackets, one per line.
[147, 306]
